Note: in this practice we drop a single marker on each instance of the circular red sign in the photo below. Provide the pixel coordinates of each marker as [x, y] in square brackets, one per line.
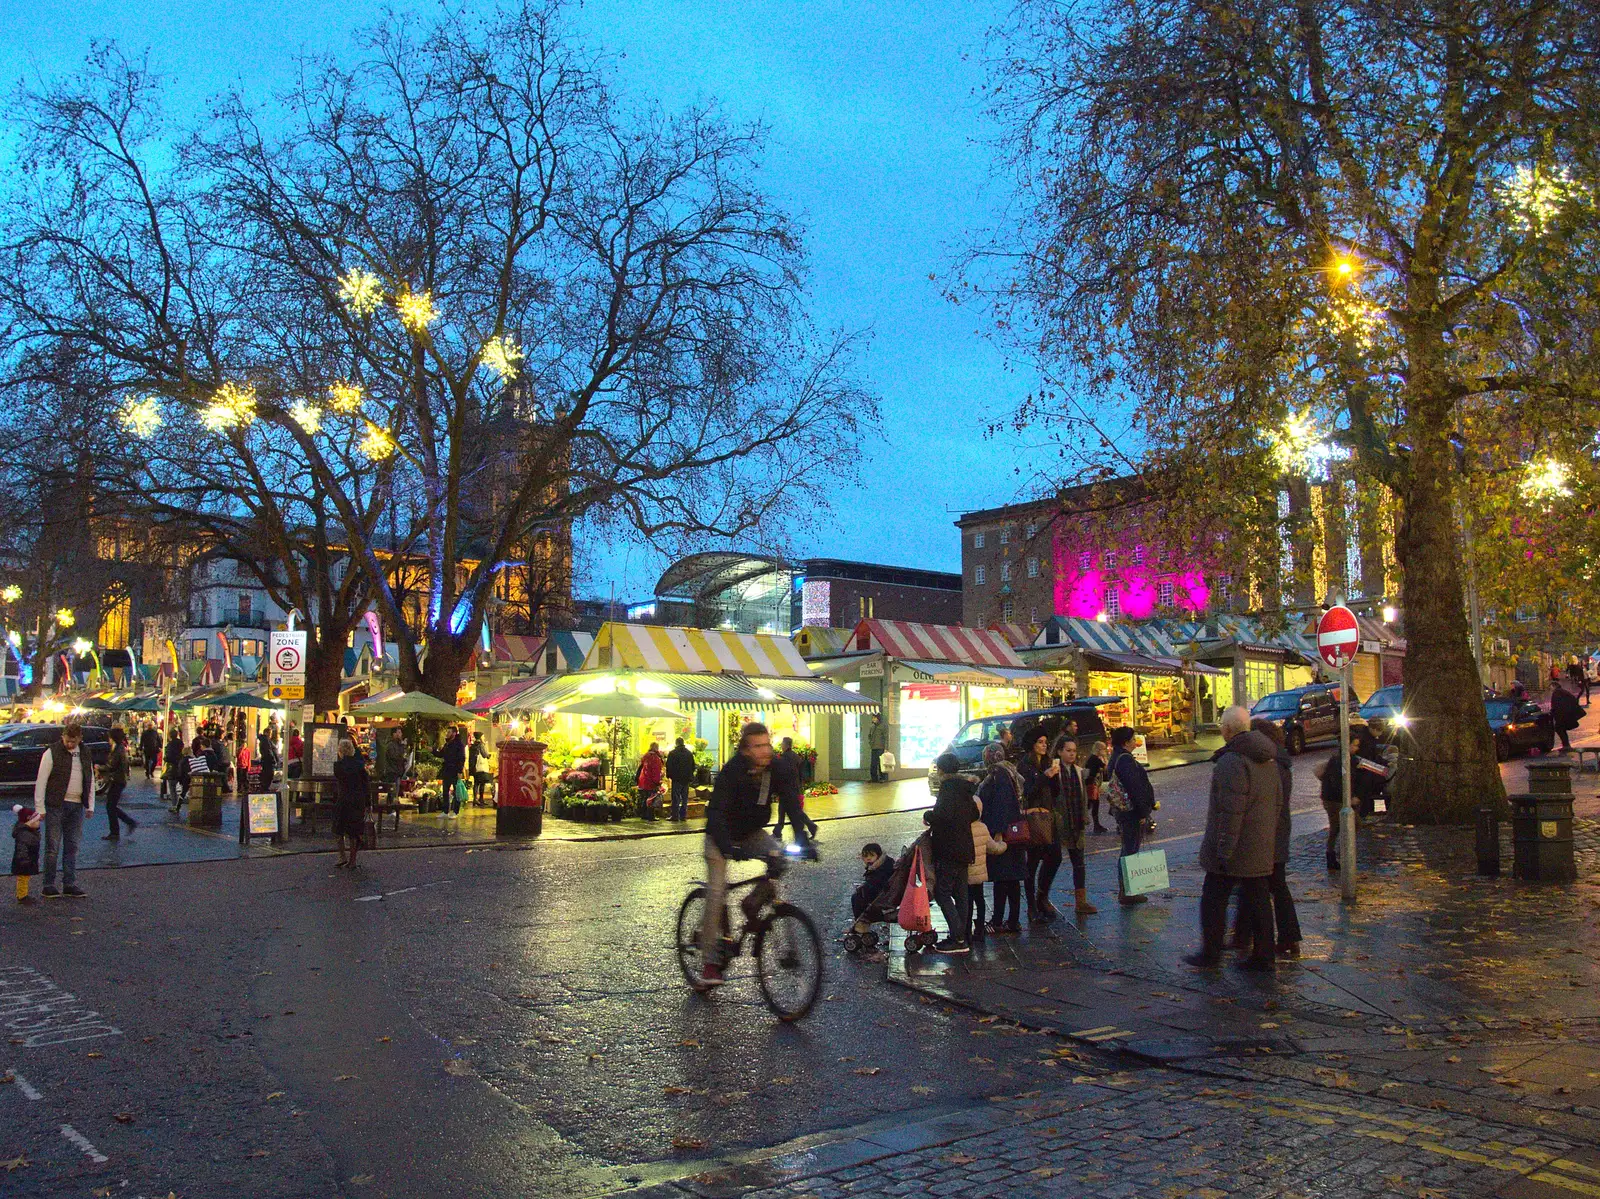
[1338, 636]
[288, 659]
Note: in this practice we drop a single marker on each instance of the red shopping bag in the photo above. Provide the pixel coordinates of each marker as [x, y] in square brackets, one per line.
[916, 916]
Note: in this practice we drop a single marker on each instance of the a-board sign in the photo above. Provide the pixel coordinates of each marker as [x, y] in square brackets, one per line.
[322, 748]
[263, 814]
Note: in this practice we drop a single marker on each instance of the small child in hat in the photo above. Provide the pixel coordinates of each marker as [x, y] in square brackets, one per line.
[25, 857]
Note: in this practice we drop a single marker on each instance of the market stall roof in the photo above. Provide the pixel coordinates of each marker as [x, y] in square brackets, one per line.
[1132, 663]
[499, 697]
[911, 641]
[700, 651]
[1103, 636]
[819, 641]
[512, 647]
[1373, 630]
[564, 649]
[242, 699]
[983, 676]
[412, 703]
[728, 691]
[1018, 636]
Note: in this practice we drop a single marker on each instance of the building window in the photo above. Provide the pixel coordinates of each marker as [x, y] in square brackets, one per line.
[1029, 530]
[197, 649]
[1108, 560]
[977, 540]
[245, 607]
[1005, 572]
[1007, 610]
[980, 576]
[1113, 604]
[1033, 568]
[1164, 594]
[1224, 587]
[1138, 555]
[1005, 535]
[1033, 616]
[114, 621]
[1085, 561]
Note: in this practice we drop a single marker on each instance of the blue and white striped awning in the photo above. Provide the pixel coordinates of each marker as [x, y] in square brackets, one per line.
[1101, 635]
[1148, 639]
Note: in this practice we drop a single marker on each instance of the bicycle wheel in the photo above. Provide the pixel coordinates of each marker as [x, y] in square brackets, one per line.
[788, 956]
[690, 914]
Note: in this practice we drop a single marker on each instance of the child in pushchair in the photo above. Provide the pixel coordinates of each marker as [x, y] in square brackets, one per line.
[877, 899]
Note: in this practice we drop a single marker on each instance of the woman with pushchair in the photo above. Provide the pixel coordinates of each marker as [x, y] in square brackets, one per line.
[1002, 792]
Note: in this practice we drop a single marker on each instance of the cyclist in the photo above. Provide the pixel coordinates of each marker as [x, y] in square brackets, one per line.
[736, 827]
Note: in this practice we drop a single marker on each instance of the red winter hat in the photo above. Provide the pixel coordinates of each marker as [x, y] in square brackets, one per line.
[24, 814]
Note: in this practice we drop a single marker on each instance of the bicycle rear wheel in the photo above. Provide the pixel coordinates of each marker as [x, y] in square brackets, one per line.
[690, 914]
[788, 956]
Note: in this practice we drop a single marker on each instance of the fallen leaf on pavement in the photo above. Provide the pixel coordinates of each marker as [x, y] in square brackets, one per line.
[686, 1144]
[960, 1159]
[16, 1163]
[783, 1080]
[676, 1090]
[274, 1095]
[987, 1019]
[381, 1040]
[868, 1070]
[1045, 1172]
[362, 1180]
[123, 1117]
[259, 1153]
[101, 1193]
[690, 1044]
[95, 1054]
[1453, 1058]
[922, 1090]
[456, 1066]
[343, 1077]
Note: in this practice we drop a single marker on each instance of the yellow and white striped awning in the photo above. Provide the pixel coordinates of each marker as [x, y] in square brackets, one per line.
[694, 651]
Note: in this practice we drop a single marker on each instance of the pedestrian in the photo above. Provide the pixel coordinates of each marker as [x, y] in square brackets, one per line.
[478, 759]
[791, 806]
[150, 749]
[392, 755]
[877, 868]
[985, 845]
[1094, 769]
[25, 853]
[115, 778]
[1566, 713]
[1284, 917]
[1237, 847]
[350, 806]
[680, 773]
[452, 761]
[244, 764]
[877, 742]
[175, 778]
[294, 758]
[64, 791]
[647, 779]
[267, 757]
[736, 827]
[1001, 793]
[950, 822]
[1130, 799]
[1040, 773]
[1008, 742]
[1070, 804]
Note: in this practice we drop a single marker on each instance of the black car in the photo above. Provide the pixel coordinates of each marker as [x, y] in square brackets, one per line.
[976, 735]
[1305, 714]
[1519, 725]
[22, 745]
[1384, 711]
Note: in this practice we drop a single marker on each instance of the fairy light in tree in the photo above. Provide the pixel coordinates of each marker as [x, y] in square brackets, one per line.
[231, 407]
[344, 397]
[501, 355]
[377, 445]
[1546, 481]
[307, 416]
[416, 311]
[10, 593]
[361, 291]
[1294, 444]
[1535, 196]
[65, 618]
[141, 417]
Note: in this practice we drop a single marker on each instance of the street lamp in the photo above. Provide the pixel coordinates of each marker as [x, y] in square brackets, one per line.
[1389, 614]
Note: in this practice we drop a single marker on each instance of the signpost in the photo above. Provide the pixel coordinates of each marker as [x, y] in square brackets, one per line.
[286, 665]
[1338, 637]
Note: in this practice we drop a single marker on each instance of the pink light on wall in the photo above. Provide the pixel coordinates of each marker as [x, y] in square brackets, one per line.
[1081, 593]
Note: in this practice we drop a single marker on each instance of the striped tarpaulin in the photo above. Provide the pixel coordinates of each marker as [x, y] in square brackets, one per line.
[513, 647]
[1018, 636]
[733, 692]
[936, 642]
[694, 651]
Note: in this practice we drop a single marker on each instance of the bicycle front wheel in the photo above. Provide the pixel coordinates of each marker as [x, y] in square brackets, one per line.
[690, 915]
[788, 956]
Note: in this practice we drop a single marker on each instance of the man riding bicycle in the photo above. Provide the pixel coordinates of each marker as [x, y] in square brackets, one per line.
[736, 828]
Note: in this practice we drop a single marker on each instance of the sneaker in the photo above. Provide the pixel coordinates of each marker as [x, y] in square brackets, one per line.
[1289, 949]
[710, 976]
[74, 891]
[52, 892]
[1201, 962]
[26, 899]
[951, 945]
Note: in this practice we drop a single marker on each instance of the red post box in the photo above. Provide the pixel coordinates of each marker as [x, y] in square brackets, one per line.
[521, 789]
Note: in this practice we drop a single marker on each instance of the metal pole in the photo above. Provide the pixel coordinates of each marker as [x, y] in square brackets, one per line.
[1347, 816]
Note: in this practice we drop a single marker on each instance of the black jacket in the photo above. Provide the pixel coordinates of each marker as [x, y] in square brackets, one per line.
[149, 743]
[452, 759]
[1135, 780]
[25, 855]
[680, 764]
[737, 807]
[350, 776]
[1565, 711]
[951, 819]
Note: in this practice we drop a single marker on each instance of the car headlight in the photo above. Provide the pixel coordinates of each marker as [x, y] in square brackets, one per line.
[1402, 721]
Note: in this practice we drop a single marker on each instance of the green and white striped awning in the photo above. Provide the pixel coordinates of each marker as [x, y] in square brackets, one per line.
[727, 692]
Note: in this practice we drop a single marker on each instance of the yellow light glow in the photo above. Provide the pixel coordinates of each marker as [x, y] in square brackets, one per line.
[1389, 614]
[1346, 267]
[81, 646]
[1535, 196]
[15, 638]
[1546, 481]
[233, 406]
[377, 444]
[501, 355]
[416, 311]
[11, 593]
[361, 291]
[344, 397]
[65, 618]
[601, 685]
[1102, 617]
[1292, 444]
[307, 416]
[141, 417]
[1355, 316]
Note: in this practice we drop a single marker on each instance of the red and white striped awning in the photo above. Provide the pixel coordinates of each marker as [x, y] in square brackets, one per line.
[1018, 636]
[907, 639]
[513, 647]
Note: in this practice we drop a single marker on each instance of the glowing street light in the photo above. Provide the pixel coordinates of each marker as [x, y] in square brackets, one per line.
[1102, 616]
[1546, 481]
[81, 646]
[1389, 614]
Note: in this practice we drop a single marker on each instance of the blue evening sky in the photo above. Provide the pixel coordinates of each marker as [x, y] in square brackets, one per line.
[876, 142]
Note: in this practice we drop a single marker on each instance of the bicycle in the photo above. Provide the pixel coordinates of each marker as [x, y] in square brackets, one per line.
[787, 949]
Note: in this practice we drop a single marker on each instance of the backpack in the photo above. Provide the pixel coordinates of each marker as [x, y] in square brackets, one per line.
[1116, 795]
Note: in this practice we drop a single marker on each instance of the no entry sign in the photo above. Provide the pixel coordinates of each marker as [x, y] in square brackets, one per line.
[1338, 636]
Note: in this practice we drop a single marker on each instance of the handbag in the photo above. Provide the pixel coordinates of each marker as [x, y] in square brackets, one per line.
[1018, 832]
[916, 914]
[1117, 802]
[1144, 872]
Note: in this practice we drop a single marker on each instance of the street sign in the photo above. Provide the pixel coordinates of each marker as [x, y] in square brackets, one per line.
[286, 660]
[1338, 636]
[286, 693]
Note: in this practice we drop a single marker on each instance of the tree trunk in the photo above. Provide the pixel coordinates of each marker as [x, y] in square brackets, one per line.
[324, 672]
[448, 658]
[1452, 769]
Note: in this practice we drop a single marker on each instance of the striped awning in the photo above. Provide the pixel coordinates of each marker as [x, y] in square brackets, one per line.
[1101, 635]
[983, 676]
[501, 696]
[695, 651]
[703, 691]
[513, 647]
[818, 641]
[564, 649]
[1147, 638]
[1018, 636]
[909, 640]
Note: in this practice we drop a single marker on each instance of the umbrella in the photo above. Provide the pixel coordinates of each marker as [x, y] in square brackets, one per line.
[617, 703]
[413, 703]
[96, 704]
[241, 699]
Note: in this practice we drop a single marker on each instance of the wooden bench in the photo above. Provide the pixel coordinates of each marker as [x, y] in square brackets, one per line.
[1583, 752]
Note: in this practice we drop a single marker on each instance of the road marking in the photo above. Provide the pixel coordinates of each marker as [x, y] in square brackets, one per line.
[1566, 1184]
[41, 1013]
[82, 1142]
[29, 1091]
[385, 894]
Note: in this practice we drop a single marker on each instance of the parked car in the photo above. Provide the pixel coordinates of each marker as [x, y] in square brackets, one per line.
[1384, 711]
[1306, 714]
[1519, 725]
[22, 745]
[976, 735]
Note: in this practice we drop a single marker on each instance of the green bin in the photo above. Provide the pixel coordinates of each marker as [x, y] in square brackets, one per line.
[1541, 827]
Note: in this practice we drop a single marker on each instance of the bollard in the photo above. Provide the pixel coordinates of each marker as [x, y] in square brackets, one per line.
[1541, 826]
[1488, 842]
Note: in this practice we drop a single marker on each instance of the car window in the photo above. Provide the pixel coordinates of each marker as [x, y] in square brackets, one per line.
[974, 732]
[1278, 701]
[1090, 726]
[42, 737]
[1498, 709]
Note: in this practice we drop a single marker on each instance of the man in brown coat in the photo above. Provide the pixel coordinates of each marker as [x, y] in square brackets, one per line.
[1237, 849]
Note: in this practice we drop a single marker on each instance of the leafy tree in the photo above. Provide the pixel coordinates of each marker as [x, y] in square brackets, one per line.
[1373, 222]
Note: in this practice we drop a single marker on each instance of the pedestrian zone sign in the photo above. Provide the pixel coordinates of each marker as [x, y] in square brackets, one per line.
[286, 663]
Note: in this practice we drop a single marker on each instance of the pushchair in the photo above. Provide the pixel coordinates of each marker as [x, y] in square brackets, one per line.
[861, 937]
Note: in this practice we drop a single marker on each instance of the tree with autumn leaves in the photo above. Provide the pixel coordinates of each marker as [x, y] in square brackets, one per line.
[1379, 218]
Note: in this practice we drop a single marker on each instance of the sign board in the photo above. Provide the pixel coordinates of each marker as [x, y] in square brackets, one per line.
[1145, 872]
[286, 659]
[286, 692]
[872, 668]
[263, 814]
[322, 748]
[1338, 636]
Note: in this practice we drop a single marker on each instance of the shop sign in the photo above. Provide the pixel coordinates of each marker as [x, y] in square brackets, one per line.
[872, 669]
[263, 814]
[1371, 647]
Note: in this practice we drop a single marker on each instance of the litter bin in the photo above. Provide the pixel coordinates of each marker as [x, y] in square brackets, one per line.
[1541, 827]
[519, 810]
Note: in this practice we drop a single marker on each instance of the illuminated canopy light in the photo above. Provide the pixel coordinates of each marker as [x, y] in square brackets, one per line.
[1346, 267]
[1355, 316]
[602, 685]
[81, 646]
[377, 444]
[1389, 614]
[233, 406]
[64, 618]
[1547, 481]
[141, 417]
[416, 311]
[14, 637]
[344, 397]
[11, 593]
[361, 291]
[307, 416]
[501, 355]
[1535, 196]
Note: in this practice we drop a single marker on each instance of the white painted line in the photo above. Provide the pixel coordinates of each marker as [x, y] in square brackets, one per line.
[82, 1142]
[385, 894]
[29, 1091]
[1089, 1032]
[1101, 1038]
